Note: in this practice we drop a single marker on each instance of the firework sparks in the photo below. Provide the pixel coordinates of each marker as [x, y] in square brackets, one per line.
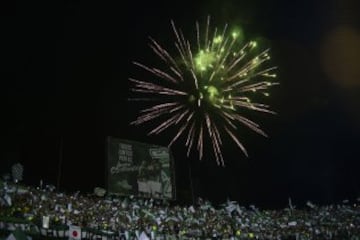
[204, 86]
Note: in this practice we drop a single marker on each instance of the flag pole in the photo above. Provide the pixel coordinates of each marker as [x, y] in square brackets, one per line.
[60, 163]
[191, 183]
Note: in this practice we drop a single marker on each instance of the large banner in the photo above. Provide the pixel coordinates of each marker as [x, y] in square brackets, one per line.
[139, 169]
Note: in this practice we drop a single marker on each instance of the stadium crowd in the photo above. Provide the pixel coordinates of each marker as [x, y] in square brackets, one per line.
[45, 211]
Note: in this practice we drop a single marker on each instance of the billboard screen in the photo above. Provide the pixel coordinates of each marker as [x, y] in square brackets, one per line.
[139, 169]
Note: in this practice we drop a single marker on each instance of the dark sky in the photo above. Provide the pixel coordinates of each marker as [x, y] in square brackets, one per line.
[64, 78]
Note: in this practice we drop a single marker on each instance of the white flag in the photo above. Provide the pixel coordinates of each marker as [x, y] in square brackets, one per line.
[143, 236]
[45, 221]
[74, 232]
[7, 199]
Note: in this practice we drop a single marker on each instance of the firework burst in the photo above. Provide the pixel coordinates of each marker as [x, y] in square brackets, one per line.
[204, 87]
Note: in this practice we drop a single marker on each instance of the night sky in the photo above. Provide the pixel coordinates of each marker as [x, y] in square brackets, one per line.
[64, 85]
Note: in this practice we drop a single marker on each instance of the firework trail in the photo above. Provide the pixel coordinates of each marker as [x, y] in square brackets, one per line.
[204, 86]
